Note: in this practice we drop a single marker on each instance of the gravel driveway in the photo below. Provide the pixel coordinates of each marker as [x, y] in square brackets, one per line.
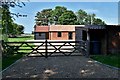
[59, 67]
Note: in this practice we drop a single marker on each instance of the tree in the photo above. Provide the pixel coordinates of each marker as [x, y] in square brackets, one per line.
[60, 15]
[0, 23]
[88, 19]
[57, 12]
[0, 13]
[67, 18]
[20, 29]
[7, 21]
[17, 30]
[49, 16]
[98, 21]
[81, 16]
[43, 17]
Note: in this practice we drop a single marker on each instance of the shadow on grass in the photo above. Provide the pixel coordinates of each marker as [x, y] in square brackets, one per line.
[7, 61]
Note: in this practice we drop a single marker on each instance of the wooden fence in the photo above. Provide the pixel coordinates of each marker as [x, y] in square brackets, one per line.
[48, 48]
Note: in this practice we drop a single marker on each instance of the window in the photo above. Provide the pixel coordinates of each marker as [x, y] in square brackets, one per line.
[59, 34]
[70, 35]
[39, 34]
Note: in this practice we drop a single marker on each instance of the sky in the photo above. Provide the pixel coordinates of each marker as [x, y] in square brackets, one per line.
[107, 11]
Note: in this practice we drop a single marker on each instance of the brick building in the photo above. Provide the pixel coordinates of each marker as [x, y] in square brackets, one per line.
[62, 32]
[41, 32]
[103, 39]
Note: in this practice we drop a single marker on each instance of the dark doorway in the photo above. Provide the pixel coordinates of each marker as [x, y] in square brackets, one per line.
[70, 35]
[95, 47]
[95, 41]
[84, 35]
[47, 35]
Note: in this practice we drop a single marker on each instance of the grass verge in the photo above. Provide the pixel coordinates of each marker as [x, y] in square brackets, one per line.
[7, 61]
[11, 58]
[20, 38]
[112, 60]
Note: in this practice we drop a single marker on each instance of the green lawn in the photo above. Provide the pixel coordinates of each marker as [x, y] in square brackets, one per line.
[113, 60]
[7, 61]
[20, 38]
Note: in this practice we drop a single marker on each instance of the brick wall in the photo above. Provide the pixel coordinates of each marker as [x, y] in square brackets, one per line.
[64, 36]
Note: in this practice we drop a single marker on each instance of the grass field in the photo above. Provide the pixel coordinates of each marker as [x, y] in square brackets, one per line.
[7, 61]
[113, 60]
[20, 38]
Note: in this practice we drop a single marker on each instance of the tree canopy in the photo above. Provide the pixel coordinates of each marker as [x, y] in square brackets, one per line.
[81, 16]
[60, 15]
[67, 17]
[57, 13]
[8, 25]
[43, 17]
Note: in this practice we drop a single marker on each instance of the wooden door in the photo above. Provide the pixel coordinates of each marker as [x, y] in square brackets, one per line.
[47, 35]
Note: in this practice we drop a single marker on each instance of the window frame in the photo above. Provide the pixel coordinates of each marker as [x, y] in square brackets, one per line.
[39, 34]
[59, 34]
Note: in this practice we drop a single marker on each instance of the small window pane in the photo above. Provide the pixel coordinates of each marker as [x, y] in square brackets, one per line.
[39, 34]
[59, 34]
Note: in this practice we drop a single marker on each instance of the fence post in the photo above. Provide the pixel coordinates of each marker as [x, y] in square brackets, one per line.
[88, 48]
[46, 49]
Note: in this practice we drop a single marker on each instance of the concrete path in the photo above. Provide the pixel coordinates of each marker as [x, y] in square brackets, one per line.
[59, 67]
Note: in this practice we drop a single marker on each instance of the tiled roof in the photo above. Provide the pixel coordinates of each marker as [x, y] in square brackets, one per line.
[42, 29]
[62, 28]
